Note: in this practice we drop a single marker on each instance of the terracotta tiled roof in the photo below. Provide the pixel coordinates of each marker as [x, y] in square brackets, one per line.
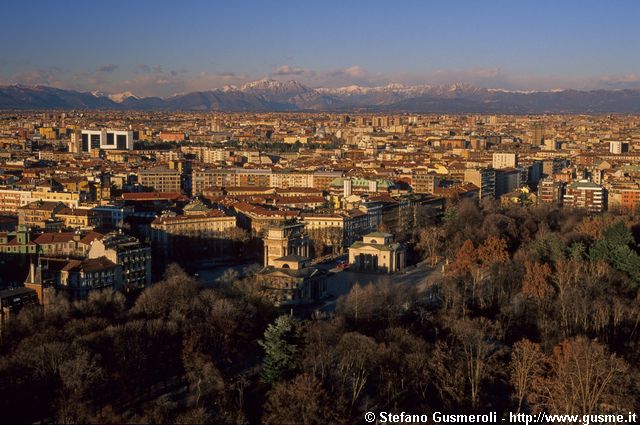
[54, 237]
[90, 237]
[154, 196]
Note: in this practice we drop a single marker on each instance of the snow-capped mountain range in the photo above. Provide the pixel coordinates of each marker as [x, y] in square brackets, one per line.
[274, 95]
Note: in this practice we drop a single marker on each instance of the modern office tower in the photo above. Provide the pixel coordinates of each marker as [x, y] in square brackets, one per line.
[617, 147]
[89, 140]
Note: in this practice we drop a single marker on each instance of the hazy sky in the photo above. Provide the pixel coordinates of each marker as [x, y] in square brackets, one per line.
[165, 47]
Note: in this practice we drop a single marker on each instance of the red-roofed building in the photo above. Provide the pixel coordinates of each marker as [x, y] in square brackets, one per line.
[74, 277]
[66, 243]
[37, 214]
[155, 196]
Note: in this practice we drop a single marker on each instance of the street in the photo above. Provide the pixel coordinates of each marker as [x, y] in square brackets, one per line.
[340, 282]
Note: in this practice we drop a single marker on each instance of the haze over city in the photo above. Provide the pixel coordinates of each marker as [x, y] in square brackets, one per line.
[163, 48]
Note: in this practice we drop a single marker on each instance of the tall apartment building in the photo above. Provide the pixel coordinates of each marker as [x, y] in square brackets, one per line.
[128, 252]
[505, 160]
[550, 191]
[507, 180]
[210, 156]
[552, 145]
[537, 134]
[586, 195]
[382, 121]
[424, 181]
[553, 166]
[484, 179]
[629, 200]
[160, 179]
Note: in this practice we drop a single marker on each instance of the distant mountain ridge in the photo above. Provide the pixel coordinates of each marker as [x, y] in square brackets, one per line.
[273, 96]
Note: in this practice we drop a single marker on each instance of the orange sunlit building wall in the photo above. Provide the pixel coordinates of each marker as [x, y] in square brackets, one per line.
[629, 200]
[166, 136]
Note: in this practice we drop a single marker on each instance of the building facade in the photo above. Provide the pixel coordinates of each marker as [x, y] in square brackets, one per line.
[160, 179]
[377, 253]
[586, 195]
[128, 252]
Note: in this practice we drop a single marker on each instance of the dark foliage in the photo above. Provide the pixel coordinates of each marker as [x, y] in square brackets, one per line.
[531, 301]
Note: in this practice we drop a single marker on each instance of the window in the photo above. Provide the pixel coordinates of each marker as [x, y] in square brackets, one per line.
[110, 139]
[122, 141]
[95, 141]
[85, 142]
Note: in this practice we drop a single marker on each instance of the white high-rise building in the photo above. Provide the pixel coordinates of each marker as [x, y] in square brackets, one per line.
[105, 139]
[347, 185]
[617, 147]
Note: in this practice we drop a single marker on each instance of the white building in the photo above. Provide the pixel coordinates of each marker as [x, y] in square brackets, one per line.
[505, 160]
[617, 147]
[377, 252]
[101, 139]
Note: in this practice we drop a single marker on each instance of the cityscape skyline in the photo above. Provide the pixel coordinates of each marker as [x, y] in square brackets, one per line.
[165, 50]
[319, 212]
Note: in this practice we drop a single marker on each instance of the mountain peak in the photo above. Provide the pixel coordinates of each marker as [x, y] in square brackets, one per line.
[274, 95]
[269, 84]
[120, 97]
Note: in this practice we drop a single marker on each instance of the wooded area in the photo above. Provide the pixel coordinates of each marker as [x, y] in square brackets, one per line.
[538, 310]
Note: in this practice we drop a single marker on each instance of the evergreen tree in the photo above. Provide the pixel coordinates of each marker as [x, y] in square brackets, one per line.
[614, 248]
[280, 348]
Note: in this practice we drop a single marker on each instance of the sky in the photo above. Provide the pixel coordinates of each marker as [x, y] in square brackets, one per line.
[160, 48]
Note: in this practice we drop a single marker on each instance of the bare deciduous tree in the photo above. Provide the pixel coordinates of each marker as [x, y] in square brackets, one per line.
[581, 377]
[526, 363]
